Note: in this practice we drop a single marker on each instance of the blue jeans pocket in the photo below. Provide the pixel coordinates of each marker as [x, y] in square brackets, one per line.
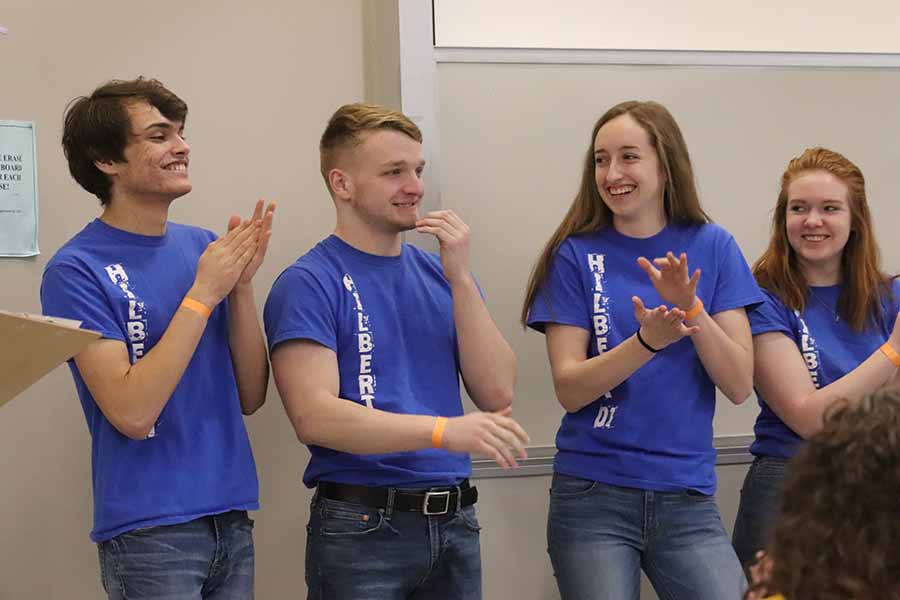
[467, 517]
[347, 519]
[566, 486]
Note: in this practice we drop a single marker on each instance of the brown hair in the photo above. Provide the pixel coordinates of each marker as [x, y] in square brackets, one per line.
[96, 127]
[836, 536]
[778, 269]
[349, 125]
[588, 212]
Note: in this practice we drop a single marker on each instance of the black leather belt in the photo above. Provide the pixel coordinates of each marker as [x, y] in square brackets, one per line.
[435, 501]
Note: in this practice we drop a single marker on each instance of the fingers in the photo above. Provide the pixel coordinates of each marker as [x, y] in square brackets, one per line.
[236, 235]
[648, 267]
[233, 221]
[639, 309]
[695, 278]
[516, 430]
[258, 210]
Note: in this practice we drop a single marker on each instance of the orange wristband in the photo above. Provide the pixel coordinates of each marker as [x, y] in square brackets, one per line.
[892, 355]
[437, 434]
[694, 311]
[196, 306]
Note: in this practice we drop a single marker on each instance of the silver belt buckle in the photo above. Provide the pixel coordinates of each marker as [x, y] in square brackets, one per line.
[429, 495]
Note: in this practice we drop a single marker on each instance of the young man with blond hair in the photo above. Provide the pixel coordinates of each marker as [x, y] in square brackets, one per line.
[369, 337]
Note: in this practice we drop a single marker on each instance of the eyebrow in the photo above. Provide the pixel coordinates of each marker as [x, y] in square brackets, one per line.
[599, 150]
[824, 201]
[400, 163]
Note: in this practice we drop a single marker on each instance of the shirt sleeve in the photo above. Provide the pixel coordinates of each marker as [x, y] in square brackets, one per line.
[299, 307]
[561, 299]
[735, 285]
[70, 293]
[771, 315]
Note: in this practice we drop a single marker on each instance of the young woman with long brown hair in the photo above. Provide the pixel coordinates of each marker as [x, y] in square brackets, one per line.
[637, 346]
[828, 328]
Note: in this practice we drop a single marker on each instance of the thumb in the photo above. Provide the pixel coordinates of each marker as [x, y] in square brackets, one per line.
[233, 221]
[639, 308]
[504, 412]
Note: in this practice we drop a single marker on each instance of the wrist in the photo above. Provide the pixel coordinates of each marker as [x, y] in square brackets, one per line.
[648, 345]
[890, 351]
[437, 432]
[241, 290]
[463, 280]
[203, 295]
[694, 311]
[196, 306]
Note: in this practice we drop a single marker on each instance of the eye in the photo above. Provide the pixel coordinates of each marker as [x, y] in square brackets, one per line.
[393, 172]
[419, 171]
[832, 208]
[796, 208]
[630, 156]
[601, 160]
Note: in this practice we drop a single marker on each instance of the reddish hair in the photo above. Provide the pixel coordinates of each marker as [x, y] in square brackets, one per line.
[778, 269]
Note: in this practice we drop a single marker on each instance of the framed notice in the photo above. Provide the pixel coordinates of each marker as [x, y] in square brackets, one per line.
[18, 189]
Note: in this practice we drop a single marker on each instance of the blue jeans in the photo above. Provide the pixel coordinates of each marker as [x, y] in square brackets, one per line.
[354, 552]
[600, 537]
[210, 557]
[760, 499]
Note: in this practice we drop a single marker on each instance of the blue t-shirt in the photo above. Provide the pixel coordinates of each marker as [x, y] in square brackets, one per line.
[829, 346]
[198, 460]
[654, 430]
[389, 320]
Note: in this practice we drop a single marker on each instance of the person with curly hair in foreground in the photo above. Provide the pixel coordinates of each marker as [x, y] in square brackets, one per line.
[836, 535]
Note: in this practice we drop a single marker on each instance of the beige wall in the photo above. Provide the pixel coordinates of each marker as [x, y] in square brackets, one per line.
[261, 79]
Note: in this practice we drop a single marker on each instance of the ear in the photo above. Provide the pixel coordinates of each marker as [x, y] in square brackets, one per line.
[107, 167]
[340, 183]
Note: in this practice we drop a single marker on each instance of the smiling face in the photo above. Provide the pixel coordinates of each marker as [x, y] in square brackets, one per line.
[156, 158]
[627, 173]
[818, 223]
[382, 181]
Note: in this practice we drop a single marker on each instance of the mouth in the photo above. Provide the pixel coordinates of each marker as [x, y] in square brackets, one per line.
[411, 204]
[810, 237]
[620, 190]
[179, 167]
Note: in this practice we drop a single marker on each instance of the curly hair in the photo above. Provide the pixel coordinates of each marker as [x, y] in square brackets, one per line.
[838, 531]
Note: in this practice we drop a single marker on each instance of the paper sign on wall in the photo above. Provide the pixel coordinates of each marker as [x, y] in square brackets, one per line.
[18, 189]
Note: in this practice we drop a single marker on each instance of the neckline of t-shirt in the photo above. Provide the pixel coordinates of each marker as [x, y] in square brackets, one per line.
[611, 231]
[825, 289]
[128, 236]
[357, 254]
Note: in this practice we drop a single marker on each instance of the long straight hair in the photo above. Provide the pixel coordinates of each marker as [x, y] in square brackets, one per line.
[588, 212]
[864, 284]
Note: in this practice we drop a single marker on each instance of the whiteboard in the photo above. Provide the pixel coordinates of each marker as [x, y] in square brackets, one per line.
[865, 26]
[512, 138]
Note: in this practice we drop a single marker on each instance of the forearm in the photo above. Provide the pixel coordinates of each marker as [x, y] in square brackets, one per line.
[578, 383]
[134, 399]
[728, 363]
[248, 349]
[805, 417]
[339, 424]
[487, 362]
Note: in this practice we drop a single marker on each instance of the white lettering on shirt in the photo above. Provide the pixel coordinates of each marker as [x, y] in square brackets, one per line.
[600, 323]
[365, 345]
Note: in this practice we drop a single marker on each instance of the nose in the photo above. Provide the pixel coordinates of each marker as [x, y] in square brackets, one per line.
[614, 171]
[414, 186]
[813, 218]
[181, 146]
